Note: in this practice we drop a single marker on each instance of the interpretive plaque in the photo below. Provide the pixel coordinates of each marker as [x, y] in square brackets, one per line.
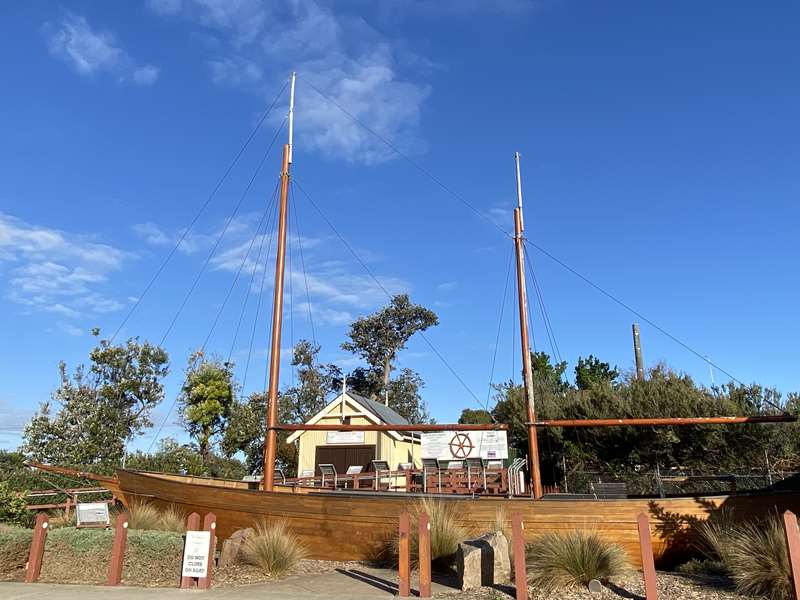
[92, 514]
[449, 445]
[195, 553]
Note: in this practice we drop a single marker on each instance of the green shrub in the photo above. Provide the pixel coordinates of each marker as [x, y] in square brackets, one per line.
[13, 508]
[273, 548]
[15, 542]
[705, 566]
[561, 561]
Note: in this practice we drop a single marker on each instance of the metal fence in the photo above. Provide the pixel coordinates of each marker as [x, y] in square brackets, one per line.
[676, 482]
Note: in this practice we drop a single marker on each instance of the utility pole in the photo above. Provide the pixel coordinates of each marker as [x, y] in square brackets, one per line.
[270, 445]
[527, 370]
[637, 351]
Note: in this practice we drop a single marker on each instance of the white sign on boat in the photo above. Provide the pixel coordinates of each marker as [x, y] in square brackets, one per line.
[345, 437]
[449, 445]
[195, 553]
[92, 514]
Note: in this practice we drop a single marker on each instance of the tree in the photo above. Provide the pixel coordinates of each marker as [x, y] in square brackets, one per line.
[206, 399]
[405, 399]
[378, 338]
[99, 411]
[315, 383]
[297, 404]
[592, 371]
[471, 416]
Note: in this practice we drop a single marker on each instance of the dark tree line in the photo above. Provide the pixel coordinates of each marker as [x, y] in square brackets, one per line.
[600, 391]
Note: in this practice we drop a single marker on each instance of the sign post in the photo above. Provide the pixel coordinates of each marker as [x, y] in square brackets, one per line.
[192, 525]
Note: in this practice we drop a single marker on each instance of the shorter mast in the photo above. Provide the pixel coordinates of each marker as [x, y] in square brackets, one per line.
[270, 442]
[527, 369]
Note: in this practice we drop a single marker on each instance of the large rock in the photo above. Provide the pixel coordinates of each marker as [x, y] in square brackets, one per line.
[483, 561]
[232, 547]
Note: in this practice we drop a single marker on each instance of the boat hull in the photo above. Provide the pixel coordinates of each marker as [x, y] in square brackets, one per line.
[355, 526]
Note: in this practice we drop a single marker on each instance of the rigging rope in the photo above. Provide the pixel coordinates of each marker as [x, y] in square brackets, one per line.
[258, 304]
[244, 259]
[543, 309]
[271, 211]
[486, 218]
[302, 262]
[385, 291]
[200, 212]
[218, 241]
[499, 326]
[632, 310]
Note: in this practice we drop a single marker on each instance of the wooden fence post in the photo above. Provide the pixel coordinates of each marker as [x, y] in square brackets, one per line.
[518, 541]
[118, 549]
[793, 546]
[424, 553]
[192, 524]
[648, 566]
[404, 556]
[209, 524]
[34, 567]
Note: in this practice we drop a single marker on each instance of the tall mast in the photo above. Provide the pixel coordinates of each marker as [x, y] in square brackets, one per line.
[527, 370]
[277, 307]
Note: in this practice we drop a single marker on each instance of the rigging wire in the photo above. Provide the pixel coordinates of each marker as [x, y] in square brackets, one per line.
[302, 261]
[254, 272]
[385, 291]
[217, 242]
[200, 212]
[252, 242]
[291, 293]
[543, 309]
[632, 310]
[408, 159]
[486, 218]
[258, 304]
[499, 326]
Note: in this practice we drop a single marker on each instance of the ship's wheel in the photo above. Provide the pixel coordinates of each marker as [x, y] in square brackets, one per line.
[461, 446]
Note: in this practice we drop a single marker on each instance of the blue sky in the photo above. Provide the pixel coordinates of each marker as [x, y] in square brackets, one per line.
[659, 151]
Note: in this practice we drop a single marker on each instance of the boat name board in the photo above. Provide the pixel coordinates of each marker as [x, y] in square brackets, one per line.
[449, 445]
[195, 553]
[345, 437]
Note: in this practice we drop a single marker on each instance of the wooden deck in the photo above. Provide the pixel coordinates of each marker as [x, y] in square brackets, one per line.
[350, 525]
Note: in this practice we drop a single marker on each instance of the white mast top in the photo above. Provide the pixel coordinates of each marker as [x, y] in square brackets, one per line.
[291, 114]
[519, 191]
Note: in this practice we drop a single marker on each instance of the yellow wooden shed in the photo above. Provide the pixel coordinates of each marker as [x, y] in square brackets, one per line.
[345, 449]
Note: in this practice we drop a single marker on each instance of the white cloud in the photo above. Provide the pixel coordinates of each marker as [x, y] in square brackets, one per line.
[90, 51]
[70, 329]
[341, 54]
[56, 272]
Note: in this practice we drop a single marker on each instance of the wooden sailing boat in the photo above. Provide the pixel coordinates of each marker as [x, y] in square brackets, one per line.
[354, 524]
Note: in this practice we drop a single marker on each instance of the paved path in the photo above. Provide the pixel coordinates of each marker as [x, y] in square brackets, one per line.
[356, 584]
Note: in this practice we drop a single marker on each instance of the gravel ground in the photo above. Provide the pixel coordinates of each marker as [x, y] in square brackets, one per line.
[238, 574]
[631, 587]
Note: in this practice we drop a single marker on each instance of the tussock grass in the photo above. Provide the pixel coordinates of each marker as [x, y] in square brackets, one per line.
[147, 516]
[58, 519]
[446, 534]
[754, 554]
[273, 548]
[563, 561]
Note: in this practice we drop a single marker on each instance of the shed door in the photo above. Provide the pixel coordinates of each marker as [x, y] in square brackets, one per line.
[343, 457]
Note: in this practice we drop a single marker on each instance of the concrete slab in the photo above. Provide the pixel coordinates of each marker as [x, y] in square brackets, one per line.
[355, 584]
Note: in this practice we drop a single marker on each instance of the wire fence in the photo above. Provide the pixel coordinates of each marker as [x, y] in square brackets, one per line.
[677, 482]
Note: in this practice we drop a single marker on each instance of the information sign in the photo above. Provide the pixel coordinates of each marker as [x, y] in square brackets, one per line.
[195, 553]
[345, 437]
[449, 445]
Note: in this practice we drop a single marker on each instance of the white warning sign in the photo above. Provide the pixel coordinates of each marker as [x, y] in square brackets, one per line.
[195, 553]
[449, 445]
